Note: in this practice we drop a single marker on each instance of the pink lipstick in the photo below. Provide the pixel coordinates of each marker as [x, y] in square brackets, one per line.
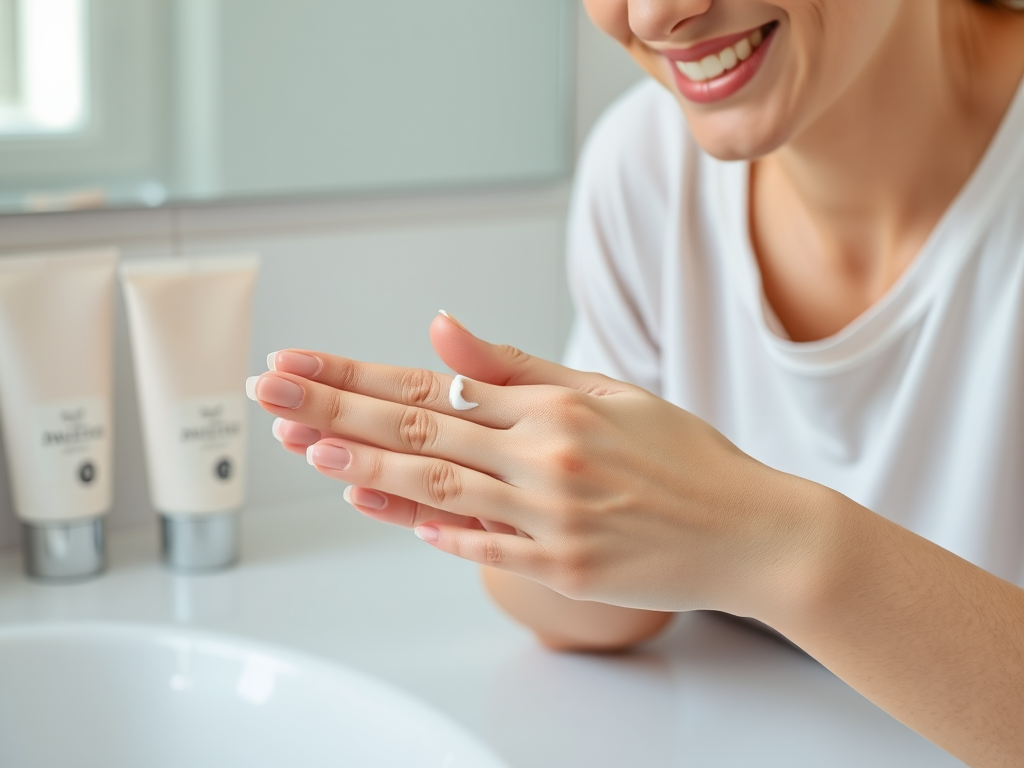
[714, 70]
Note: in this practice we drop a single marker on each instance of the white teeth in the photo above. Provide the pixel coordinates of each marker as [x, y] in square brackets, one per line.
[728, 58]
[712, 66]
[692, 70]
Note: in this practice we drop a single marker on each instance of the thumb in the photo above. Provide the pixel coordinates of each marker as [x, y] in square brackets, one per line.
[497, 364]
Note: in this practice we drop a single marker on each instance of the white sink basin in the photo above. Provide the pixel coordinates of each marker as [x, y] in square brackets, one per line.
[133, 696]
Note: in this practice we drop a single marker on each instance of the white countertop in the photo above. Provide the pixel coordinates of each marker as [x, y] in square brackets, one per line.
[319, 578]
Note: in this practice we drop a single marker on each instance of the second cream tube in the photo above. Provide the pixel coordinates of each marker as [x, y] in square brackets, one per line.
[189, 322]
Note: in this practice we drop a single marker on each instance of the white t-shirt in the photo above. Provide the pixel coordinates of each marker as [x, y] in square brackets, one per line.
[915, 410]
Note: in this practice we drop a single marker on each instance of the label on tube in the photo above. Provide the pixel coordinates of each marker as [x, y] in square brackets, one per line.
[204, 465]
[72, 447]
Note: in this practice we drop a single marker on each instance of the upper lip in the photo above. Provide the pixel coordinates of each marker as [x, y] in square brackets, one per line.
[698, 51]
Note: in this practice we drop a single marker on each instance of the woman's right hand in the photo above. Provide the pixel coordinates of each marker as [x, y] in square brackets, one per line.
[559, 622]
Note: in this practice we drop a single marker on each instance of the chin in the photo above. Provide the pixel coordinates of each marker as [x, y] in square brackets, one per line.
[738, 134]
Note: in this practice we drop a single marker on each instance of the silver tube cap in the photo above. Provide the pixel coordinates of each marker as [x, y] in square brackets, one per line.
[196, 543]
[65, 551]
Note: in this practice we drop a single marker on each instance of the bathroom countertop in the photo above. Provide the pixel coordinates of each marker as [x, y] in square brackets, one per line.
[319, 578]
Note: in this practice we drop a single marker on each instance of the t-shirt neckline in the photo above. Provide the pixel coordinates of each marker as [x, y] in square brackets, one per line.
[941, 255]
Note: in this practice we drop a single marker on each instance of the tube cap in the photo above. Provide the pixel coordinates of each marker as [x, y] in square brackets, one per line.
[64, 551]
[199, 542]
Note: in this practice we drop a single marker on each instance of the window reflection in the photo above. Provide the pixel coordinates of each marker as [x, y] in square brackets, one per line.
[43, 63]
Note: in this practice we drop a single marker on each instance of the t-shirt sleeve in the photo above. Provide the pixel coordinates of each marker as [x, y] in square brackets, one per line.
[615, 240]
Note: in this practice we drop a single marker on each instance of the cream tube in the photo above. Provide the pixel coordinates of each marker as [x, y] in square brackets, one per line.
[56, 348]
[189, 323]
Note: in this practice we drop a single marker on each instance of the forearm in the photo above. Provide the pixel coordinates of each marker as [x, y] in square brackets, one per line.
[935, 641]
[565, 624]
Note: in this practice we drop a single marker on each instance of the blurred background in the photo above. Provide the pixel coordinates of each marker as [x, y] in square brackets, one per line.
[385, 159]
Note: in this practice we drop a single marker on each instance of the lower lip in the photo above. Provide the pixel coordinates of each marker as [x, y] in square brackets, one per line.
[723, 86]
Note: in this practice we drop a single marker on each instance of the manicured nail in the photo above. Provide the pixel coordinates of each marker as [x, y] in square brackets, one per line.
[277, 391]
[270, 361]
[328, 456]
[298, 363]
[275, 429]
[250, 387]
[454, 320]
[427, 533]
[347, 494]
[369, 499]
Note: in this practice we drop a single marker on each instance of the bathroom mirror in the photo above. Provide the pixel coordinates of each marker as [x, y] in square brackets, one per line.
[112, 103]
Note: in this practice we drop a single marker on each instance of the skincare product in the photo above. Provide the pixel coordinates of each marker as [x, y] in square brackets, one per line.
[189, 323]
[459, 403]
[56, 348]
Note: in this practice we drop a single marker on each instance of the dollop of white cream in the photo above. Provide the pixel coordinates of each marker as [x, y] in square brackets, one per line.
[455, 394]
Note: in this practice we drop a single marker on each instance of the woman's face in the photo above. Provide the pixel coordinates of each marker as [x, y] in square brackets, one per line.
[752, 75]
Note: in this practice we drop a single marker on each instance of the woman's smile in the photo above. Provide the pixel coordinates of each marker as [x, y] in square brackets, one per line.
[716, 69]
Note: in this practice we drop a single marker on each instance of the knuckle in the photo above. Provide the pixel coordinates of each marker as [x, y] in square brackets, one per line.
[419, 387]
[338, 410]
[568, 459]
[572, 412]
[345, 375]
[602, 386]
[375, 470]
[417, 430]
[419, 514]
[442, 484]
[512, 354]
[491, 553]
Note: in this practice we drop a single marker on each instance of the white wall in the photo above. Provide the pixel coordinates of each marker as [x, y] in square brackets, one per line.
[360, 277]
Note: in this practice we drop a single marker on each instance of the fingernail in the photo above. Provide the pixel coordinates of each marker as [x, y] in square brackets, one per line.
[427, 533]
[347, 494]
[270, 361]
[298, 363]
[275, 429]
[277, 391]
[250, 387]
[369, 499]
[454, 320]
[328, 456]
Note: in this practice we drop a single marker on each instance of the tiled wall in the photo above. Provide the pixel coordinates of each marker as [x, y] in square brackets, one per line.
[361, 277]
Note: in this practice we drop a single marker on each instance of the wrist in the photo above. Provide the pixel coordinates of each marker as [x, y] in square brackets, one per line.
[801, 534]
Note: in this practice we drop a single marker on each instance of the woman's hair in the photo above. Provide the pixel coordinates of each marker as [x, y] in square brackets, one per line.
[1010, 5]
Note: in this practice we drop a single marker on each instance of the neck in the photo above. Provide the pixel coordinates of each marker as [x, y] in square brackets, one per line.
[870, 177]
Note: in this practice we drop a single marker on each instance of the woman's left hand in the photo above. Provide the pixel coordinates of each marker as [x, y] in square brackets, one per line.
[595, 488]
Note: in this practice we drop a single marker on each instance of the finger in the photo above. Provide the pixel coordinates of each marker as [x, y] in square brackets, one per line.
[504, 365]
[498, 550]
[428, 481]
[405, 386]
[394, 510]
[294, 433]
[402, 428]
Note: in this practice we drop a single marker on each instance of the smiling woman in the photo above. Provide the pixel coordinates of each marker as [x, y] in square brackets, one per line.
[798, 272]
